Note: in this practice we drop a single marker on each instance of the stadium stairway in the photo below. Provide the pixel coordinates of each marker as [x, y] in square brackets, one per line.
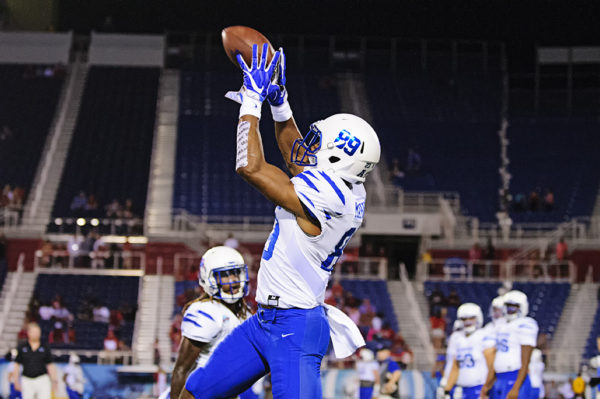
[573, 328]
[16, 294]
[153, 319]
[39, 205]
[410, 316]
[162, 165]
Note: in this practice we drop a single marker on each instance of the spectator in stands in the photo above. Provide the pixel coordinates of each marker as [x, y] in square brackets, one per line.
[396, 174]
[436, 301]
[58, 334]
[438, 320]
[175, 333]
[79, 203]
[113, 210]
[534, 201]
[116, 320]
[562, 250]
[71, 335]
[519, 203]
[453, 300]
[231, 241]
[111, 342]
[46, 311]
[127, 211]
[413, 161]
[74, 249]
[490, 251]
[101, 313]
[85, 311]
[5, 134]
[92, 204]
[549, 200]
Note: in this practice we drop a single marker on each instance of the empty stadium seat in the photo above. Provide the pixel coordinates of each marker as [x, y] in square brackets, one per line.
[112, 142]
[28, 102]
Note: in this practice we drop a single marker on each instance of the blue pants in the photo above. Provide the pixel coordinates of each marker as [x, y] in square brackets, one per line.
[505, 382]
[472, 392]
[290, 343]
[535, 393]
[14, 394]
[73, 394]
[366, 392]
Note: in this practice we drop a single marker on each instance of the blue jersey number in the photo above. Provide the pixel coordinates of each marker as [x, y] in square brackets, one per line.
[328, 263]
[270, 245]
[466, 361]
[502, 345]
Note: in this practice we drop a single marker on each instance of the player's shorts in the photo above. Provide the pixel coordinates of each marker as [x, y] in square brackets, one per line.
[290, 343]
[505, 382]
[471, 392]
[535, 393]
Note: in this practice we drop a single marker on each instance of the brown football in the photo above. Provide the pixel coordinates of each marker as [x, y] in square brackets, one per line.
[239, 39]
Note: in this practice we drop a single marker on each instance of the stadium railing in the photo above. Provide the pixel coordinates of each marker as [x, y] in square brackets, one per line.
[458, 269]
[121, 226]
[394, 198]
[9, 218]
[184, 221]
[102, 259]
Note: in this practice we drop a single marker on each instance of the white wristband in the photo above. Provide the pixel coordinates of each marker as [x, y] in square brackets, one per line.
[250, 106]
[282, 112]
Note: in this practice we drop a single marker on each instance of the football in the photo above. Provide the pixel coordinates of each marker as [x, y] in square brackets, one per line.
[239, 39]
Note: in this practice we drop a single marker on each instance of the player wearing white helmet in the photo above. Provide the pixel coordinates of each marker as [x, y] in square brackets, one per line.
[469, 366]
[515, 340]
[73, 377]
[536, 373]
[317, 213]
[223, 276]
[368, 374]
[456, 327]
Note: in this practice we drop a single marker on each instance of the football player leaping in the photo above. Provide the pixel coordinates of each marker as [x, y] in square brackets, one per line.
[515, 339]
[469, 365]
[317, 213]
[209, 319]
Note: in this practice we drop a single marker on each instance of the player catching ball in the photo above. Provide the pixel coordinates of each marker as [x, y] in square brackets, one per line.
[317, 212]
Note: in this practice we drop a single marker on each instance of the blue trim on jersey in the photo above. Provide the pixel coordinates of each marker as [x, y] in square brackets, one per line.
[327, 215]
[187, 318]
[308, 199]
[335, 188]
[308, 172]
[308, 182]
[205, 314]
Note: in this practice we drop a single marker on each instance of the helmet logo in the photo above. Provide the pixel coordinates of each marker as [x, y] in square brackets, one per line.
[348, 142]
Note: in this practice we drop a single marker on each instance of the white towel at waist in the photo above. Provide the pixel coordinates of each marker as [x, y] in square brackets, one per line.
[345, 335]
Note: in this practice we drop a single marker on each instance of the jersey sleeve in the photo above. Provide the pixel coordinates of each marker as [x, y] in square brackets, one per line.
[201, 322]
[451, 349]
[393, 366]
[489, 337]
[527, 331]
[324, 196]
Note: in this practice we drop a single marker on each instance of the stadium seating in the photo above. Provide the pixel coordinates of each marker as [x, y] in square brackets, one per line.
[591, 347]
[28, 101]
[546, 300]
[112, 143]
[452, 124]
[567, 164]
[376, 291]
[112, 291]
[205, 180]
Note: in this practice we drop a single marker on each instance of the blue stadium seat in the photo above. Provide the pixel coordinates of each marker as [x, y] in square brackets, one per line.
[377, 292]
[112, 291]
[112, 142]
[28, 103]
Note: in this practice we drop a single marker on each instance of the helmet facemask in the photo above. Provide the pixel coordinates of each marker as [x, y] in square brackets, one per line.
[230, 283]
[304, 150]
[512, 310]
[469, 324]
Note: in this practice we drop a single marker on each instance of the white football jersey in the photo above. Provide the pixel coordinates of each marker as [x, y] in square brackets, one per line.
[468, 351]
[510, 336]
[489, 331]
[536, 373]
[449, 357]
[366, 370]
[208, 321]
[295, 267]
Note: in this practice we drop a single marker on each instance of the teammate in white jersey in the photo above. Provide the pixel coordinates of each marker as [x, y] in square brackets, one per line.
[318, 211]
[209, 319]
[536, 374]
[515, 340]
[469, 366]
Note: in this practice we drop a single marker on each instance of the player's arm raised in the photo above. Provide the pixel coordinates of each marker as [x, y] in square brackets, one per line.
[271, 181]
[286, 130]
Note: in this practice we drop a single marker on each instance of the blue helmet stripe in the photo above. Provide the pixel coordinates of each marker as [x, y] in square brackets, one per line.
[335, 188]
